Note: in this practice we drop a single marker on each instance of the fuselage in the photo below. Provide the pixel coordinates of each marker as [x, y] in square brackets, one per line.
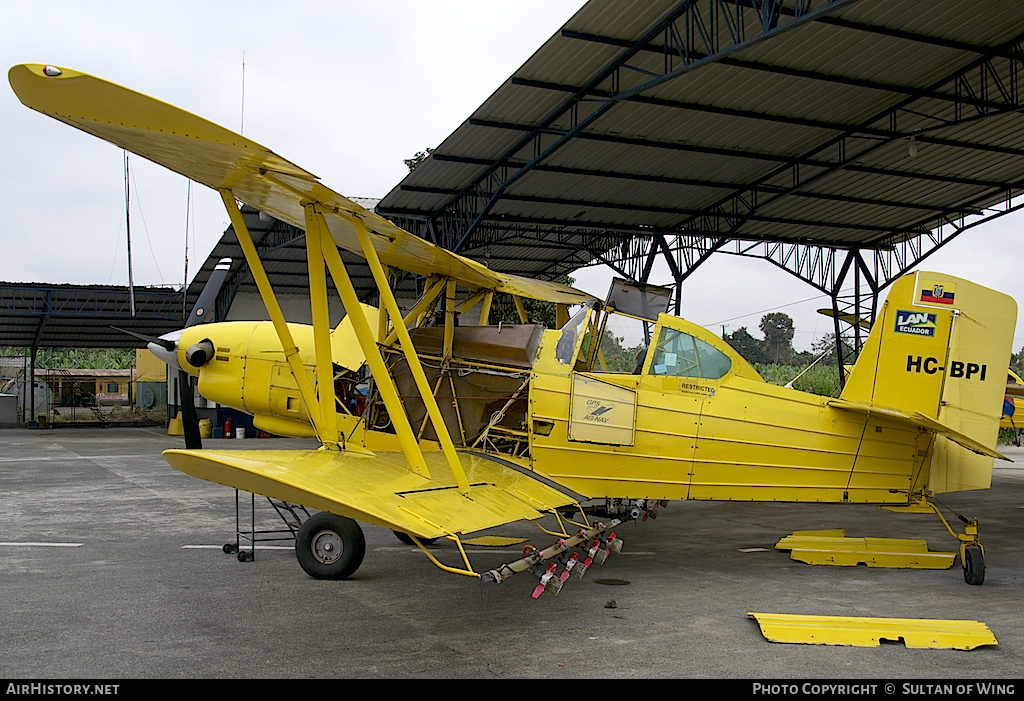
[696, 421]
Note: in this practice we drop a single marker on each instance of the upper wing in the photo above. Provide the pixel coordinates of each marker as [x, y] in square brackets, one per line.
[379, 488]
[222, 159]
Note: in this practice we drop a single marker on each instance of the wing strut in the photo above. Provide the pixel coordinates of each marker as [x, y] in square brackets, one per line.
[322, 328]
[368, 344]
[391, 305]
[291, 352]
[432, 292]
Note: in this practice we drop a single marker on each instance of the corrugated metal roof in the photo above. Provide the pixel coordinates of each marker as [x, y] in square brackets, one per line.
[868, 123]
[75, 316]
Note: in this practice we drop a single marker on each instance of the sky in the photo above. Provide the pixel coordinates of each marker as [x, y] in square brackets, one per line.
[345, 89]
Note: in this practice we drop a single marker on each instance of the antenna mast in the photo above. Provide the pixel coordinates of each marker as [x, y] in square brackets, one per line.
[241, 127]
[128, 226]
[184, 285]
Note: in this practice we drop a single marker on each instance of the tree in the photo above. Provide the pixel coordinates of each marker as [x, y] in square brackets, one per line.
[827, 345]
[412, 163]
[777, 328]
[1017, 362]
[750, 348]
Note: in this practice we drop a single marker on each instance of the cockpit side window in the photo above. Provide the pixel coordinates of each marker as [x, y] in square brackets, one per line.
[679, 354]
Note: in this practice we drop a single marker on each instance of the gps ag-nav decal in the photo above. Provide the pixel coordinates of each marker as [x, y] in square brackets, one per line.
[916, 323]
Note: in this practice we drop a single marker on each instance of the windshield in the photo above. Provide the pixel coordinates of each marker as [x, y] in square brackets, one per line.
[570, 334]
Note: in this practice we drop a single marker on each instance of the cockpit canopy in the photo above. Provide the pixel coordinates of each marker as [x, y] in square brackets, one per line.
[642, 339]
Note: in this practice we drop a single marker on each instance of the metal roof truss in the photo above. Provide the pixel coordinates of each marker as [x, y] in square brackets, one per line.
[842, 140]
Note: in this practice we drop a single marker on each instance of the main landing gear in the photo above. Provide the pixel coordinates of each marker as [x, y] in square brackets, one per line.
[329, 546]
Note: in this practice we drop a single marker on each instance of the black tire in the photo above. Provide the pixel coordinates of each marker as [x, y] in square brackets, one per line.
[329, 546]
[404, 537]
[974, 565]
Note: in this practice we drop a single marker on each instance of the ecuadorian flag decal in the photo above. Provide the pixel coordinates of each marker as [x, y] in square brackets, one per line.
[936, 292]
[916, 323]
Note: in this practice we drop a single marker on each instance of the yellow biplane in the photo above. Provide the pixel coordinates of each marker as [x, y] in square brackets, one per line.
[471, 427]
[1014, 391]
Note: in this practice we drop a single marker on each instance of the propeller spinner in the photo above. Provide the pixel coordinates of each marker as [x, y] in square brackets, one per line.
[166, 347]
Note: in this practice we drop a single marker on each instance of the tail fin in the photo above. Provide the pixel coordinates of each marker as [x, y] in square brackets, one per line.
[940, 346]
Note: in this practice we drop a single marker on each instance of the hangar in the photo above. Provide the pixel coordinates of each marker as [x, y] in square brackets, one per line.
[34, 316]
[841, 140]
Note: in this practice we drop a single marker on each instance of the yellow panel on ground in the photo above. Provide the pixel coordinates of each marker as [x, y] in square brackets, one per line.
[833, 548]
[870, 632]
[380, 488]
[825, 533]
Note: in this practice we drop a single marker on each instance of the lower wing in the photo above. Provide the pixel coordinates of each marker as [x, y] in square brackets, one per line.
[380, 489]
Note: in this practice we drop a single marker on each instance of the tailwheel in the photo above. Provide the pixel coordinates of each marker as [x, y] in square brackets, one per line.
[329, 546]
[972, 557]
[972, 554]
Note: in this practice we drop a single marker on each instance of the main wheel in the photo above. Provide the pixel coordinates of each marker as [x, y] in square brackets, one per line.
[974, 564]
[329, 546]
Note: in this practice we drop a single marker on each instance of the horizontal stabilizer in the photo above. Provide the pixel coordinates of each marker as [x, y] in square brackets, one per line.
[921, 421]
[380, 488]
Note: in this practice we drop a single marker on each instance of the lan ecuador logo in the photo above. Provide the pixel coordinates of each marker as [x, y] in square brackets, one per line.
[916, 323]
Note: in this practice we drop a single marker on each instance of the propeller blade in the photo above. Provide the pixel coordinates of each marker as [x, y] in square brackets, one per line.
[199, 315]
[200, 312]
[162, 342]
[189, 417]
